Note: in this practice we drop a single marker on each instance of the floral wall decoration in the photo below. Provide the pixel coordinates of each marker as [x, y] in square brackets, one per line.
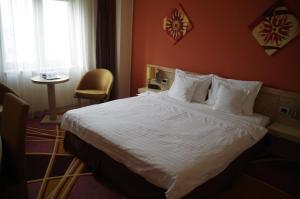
[177, 24]
[275, 28]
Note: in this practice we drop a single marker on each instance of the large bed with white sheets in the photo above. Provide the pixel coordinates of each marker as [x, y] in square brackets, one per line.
[173, 145]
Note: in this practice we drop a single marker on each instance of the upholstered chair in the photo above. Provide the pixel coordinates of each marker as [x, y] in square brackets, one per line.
[95, 85]
[4, 89]
[12, 132]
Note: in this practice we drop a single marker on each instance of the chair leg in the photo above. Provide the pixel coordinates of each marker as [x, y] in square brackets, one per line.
[93, 101]
[79, 102]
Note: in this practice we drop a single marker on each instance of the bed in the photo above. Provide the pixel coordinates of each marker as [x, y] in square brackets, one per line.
[161, 147]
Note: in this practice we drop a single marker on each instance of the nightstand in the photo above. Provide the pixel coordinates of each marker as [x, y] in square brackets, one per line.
[284, 141]
[145, 89]
[284, 131]
[279, 165]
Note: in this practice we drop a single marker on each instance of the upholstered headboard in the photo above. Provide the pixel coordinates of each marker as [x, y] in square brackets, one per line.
[280, 105]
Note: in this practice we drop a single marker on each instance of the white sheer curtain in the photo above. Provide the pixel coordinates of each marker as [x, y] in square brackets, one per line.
[46, 35]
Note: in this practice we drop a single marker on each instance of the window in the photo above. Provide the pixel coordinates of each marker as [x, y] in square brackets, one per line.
[36, 34]
[41, 35]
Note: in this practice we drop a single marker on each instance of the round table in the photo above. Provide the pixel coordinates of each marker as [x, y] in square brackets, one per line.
[52, 118]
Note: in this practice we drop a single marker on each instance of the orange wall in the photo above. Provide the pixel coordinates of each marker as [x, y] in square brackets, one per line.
[220, 42]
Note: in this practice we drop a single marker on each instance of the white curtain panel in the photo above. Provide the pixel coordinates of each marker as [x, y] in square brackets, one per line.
[46, 35]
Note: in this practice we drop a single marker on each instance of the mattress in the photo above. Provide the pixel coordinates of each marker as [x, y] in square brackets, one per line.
[174, 145]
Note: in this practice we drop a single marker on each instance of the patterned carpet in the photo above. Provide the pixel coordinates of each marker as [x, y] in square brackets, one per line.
[54, 173]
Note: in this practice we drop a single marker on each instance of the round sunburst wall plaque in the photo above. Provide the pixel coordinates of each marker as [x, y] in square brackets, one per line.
[276, 27]
[177, 24]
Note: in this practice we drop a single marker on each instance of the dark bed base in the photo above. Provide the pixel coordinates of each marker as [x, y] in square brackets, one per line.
[134, 186]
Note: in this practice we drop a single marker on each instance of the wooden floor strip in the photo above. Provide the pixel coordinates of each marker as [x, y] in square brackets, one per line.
[66, 191]
[57, 177]
[48, 154]
[49, 169]
[34, 128]
[41, 132]
[44, 140]
[42, 135]
[72, 167]
[38, 138]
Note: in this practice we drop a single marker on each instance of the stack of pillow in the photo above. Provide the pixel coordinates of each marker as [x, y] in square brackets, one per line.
[228, 95]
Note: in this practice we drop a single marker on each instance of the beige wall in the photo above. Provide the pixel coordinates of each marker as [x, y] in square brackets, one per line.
[123, 47]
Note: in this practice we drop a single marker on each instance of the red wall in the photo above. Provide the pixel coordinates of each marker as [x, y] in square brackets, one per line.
[220, 42]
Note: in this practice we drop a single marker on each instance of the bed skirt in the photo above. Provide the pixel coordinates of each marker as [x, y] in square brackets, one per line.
[134, 186]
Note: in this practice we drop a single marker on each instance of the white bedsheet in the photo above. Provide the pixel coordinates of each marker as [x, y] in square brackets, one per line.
[174, 145]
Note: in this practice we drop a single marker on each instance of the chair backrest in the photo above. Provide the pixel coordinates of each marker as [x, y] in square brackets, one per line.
[99, 79]
[4, 89]
[12, 131]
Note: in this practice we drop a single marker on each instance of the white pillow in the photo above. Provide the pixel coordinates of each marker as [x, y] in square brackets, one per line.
[183, 87]
[252, 86]
[230, 99]
[201, 89]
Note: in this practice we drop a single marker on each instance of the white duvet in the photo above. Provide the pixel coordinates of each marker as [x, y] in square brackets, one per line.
[173, 145]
